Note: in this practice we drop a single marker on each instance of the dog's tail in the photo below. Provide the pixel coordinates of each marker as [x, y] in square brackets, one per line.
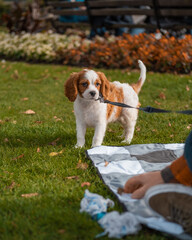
[137, 86]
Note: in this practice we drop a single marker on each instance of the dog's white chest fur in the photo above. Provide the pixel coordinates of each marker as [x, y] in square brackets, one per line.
[90, 112]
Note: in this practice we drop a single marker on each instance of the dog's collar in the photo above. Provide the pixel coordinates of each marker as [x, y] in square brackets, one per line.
[100, 98]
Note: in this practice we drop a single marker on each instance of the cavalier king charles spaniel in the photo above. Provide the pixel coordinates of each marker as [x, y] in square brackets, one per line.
[84, 88]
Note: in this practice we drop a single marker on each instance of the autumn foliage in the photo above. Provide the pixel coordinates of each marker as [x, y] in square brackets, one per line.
[162, 54]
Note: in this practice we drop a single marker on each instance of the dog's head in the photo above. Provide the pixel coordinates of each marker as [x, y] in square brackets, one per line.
[88, 84]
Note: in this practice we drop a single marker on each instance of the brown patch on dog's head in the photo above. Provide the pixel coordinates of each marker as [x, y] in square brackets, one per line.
[75, 84]
[104, 86]
[71, 87]
[82, 85]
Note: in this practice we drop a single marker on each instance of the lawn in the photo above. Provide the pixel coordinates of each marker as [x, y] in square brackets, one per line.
[27, 143]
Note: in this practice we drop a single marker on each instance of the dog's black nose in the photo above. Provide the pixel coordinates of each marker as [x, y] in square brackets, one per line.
[92, 93]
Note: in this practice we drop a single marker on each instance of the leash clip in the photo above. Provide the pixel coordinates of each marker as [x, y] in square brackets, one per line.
[100, 98]
[149, 109]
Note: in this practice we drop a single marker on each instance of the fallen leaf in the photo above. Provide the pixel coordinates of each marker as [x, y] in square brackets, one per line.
[52, 154]
[15, 74]
[85, 184]
[38, 149]
[14, 224]
[81, 165]
[171, 135]
[57, 119]
[72, 177]
[28, 195]
[158, 103]
[54, 143]
[8, 172]
[169, 124]
[120, 191]
[61, 231]
[154, 130]
[187, 88]
[11, 186]
[111, 130]
[29, 112]
[6, 140]
[14, 122]
[21, 156]
[162, 96]
[19, 140]
[138, 129]
[24, 99]
[106, 163]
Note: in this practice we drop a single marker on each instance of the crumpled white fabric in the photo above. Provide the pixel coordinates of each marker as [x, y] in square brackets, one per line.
[115, 224]
[118, 225]
[94, 204]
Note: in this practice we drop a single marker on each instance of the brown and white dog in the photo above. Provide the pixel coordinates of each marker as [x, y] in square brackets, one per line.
[83, 89]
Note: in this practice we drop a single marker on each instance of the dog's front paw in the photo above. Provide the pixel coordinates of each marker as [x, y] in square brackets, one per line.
[95, 145]
[96, 142]
[79, 145]
[128, 140]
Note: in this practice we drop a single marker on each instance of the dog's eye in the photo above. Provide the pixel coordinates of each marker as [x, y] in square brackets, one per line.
[84, 84]
[97, 84]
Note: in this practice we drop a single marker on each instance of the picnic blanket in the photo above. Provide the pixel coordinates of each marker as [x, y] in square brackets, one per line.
[116, 165]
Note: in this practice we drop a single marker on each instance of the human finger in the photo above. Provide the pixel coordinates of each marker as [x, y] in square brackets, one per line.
[140, 192]
[132, 184]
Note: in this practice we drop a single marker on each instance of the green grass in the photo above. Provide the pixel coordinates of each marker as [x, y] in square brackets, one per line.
[54, 213]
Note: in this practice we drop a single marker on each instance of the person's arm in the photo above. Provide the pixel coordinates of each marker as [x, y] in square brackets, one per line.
[181, 171]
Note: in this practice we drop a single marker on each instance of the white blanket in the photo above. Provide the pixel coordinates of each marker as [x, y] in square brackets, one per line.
[117, 164]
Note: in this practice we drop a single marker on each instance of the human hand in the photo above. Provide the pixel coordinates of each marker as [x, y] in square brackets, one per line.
[138, 185]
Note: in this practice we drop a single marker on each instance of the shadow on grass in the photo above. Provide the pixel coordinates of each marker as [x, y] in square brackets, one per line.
[45, 139]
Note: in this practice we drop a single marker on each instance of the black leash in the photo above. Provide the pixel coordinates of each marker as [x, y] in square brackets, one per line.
[147, 109]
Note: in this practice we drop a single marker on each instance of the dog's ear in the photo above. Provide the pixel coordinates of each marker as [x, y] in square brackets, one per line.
[70, 86]
[105, 85]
